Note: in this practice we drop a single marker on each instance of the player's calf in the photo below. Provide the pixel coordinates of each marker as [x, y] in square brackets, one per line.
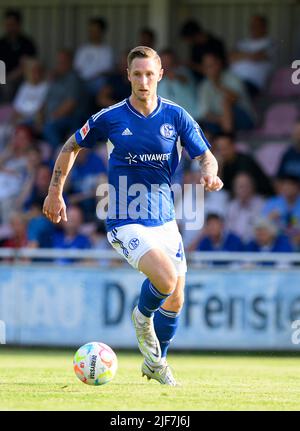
[166, 318]
[150, 300]
[154, 292]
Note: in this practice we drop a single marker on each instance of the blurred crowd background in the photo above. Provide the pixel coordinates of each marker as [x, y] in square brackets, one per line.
[247, 106]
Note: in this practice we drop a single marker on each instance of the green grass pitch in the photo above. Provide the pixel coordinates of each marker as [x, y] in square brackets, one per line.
[44, 380]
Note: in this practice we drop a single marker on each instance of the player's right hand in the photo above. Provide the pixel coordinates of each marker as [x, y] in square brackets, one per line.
[54, 208]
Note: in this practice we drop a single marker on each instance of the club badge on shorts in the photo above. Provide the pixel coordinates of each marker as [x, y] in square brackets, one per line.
[133, 243]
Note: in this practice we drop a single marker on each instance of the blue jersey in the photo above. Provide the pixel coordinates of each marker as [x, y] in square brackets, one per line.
[143, 153]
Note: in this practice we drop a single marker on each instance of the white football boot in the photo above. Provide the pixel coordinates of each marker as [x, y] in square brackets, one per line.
[162, 373]
[147, 340]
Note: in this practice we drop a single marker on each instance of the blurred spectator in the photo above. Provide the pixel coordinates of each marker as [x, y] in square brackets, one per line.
[189, 204]
[147, 37]
[14, 169]
[244, 208]
[33, 161]
[40, 230]
[99, 242]
[268, 239]
[231, 162]
[18, 229]
[177, 84]
[200, 43]
[284, 209]
[99, 237]
[31, 94]
[37, 187]
[95, 58]
[65, 106]
[117, 86]
[253, 59]
[215, 237]
[223, 103]
[14, 47]
[87, 173]
[290, 162]
[70, 237]
[194, 204]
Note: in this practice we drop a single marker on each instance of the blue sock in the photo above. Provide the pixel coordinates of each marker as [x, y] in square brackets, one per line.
[165, 325]
[150, 299]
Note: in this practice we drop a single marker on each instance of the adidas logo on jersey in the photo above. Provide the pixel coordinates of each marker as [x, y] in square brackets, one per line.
[127, 132]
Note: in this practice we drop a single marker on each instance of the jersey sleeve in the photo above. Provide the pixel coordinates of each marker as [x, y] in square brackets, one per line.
[191, 136]
[95, 129]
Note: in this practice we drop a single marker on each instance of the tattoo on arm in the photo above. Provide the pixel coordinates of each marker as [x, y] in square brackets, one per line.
[56, 177]
[208, 163]
[62, 167]
[70, 146]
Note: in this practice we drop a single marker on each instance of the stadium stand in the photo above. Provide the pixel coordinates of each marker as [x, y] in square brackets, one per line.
[276, 107]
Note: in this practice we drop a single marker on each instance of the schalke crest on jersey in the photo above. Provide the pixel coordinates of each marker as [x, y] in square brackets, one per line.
[167, 130]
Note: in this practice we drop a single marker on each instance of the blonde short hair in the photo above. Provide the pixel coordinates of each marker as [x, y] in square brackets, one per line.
[142, 52]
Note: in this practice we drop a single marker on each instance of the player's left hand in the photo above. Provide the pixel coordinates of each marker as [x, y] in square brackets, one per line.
[212, 183]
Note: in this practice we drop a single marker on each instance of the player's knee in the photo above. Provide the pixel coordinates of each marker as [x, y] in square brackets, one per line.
[168, 283]
[176, 302]
[171, 285]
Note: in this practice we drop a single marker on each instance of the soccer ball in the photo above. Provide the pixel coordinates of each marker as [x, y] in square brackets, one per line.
[95, 363]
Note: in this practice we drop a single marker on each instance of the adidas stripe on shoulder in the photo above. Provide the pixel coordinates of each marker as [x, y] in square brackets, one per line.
[103, 111]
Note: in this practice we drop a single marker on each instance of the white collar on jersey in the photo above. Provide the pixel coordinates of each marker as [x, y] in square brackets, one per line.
[138, 114]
